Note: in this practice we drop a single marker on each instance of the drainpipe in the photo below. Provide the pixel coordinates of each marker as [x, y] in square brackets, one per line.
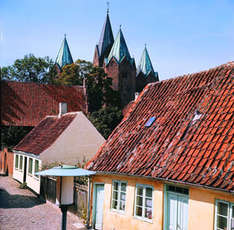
[89, 197]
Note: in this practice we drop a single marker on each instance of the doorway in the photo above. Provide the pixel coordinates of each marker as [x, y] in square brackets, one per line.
[25, 169]
[176, 208]
[98, 202]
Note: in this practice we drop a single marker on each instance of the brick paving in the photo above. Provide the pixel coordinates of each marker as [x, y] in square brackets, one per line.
[21, 209]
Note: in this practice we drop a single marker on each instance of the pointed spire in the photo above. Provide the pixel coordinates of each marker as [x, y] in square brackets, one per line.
[119, 48]
[145, 65]
[106, 38]
[64, 55]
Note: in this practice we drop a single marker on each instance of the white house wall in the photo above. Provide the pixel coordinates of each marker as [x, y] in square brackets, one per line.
[32, 181]
[17, 173]
[79, 142]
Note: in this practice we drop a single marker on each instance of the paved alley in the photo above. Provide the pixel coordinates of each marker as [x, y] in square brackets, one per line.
[20, 209]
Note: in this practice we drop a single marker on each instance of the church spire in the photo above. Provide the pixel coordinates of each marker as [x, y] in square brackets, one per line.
[119, 48]
[145, 65]
[64, 55]
[106, 39]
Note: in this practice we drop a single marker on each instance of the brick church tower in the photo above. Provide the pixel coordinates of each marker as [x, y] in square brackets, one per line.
[115, 58]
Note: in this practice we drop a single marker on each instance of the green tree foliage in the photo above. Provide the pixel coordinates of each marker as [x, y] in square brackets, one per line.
[103, 102]
[30, 69]
[12, 135]
[106, 119]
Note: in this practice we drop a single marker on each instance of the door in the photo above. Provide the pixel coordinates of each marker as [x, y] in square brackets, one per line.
[177, 211]
[98, 206]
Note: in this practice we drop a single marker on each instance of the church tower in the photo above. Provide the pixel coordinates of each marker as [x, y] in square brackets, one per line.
[122, 69]
[105, 43]
[145, 72]
[64, 55]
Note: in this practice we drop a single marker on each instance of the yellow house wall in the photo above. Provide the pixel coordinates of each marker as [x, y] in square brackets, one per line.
[201, 206]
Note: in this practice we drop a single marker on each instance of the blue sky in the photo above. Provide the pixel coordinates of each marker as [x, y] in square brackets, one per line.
[182, 36]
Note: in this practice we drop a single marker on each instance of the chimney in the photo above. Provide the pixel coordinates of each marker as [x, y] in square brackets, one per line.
[62, 108]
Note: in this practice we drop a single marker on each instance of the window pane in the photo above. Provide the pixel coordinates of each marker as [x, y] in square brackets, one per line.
[21, 162]
[149, 192]
[222, 222]
[140, 190]
[148, 202]
[123, 196]
[115, 195]
[114, 204]
[148, 213]
[138, 211]
[139, 200]
[16, 161]
[36, 167]
[222, 209]
[116, 186]
[30, 165]
[123, 187]
[122, 205]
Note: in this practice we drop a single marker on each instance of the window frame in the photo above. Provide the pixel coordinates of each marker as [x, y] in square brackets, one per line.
[143, 202]
[21, 162]
[30, 173]
[17, 161]
[120, 182]
[229, 216]
[36, 160]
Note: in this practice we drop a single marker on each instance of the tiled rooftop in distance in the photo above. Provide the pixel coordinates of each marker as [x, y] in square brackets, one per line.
[191, 139]
[26, 104]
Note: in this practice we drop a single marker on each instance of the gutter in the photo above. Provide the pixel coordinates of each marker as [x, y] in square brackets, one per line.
[166, 180]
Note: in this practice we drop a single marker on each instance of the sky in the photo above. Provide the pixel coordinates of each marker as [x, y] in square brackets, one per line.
[182, 36]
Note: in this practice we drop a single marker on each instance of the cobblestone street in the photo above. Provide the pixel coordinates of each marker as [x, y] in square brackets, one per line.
[21, 209]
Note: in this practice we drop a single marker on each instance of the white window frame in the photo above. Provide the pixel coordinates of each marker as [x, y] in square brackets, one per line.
[119, 193]
[229, 216]
[17, 165]
[143, 202]
[36, 176]
[21, 157]
[30, 173]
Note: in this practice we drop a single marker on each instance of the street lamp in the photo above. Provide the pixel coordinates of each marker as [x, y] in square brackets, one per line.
[64, 185]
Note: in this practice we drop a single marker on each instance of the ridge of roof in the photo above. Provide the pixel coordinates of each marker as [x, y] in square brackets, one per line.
[64, 55]
[119, 49]
[191, 139]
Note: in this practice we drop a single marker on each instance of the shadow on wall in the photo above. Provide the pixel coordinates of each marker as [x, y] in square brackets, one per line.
[17, 201]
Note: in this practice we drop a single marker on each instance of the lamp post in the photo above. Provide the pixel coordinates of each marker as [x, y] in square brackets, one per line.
[64, 186]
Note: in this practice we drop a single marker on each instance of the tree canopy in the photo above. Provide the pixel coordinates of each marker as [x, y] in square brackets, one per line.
[30, 69]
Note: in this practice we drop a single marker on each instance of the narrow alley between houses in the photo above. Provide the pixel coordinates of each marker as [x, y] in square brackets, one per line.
[21, 209]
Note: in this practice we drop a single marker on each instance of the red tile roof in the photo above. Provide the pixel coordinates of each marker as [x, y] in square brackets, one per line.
[191, 140]
[26, 104]
[45, 134]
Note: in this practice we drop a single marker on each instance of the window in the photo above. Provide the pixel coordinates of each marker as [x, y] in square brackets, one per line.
[30, 165]
[118, 195]
[16, 161]
[144, 201]
[21, 163]
[36, 167]
[224, 215]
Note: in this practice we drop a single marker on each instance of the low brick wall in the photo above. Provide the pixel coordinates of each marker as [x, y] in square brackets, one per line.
[6, 162]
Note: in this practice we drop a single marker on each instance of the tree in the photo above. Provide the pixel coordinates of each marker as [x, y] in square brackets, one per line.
[106, 119]
[12, 135]
[30, 69]
[103, 102]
